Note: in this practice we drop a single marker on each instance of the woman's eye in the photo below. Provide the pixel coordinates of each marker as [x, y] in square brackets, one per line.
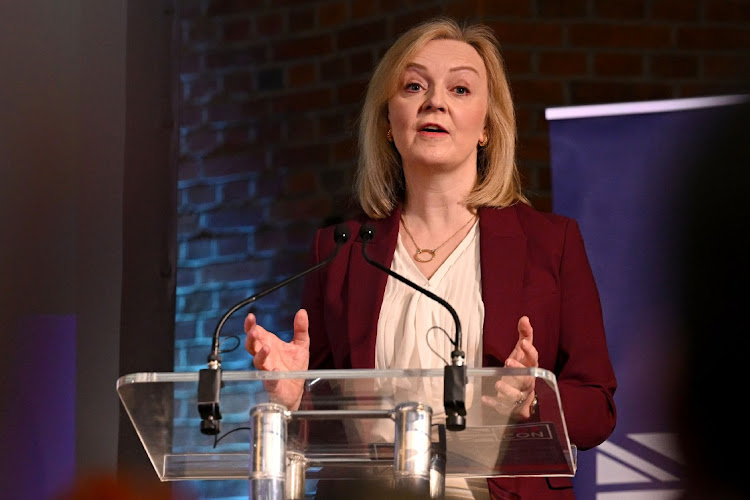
[413, 87]
[461, 90]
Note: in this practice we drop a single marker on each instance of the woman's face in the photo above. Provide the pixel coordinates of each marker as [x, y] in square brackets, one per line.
[438, 115]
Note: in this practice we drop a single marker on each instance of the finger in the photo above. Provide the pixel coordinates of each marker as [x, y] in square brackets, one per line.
[252, 331]
[253, 340]
[513, 363]
[523, 383]
[511, 393]
[249, 341]
[250, 345]
[493, 403]
[261, 334]
[517, 356]
[253, 345]
[527, 356]
[250, 321]
[260, 360]
[505, 404]
[530, 353]
[525, 331]
[523, 349]
[505, 390]
[301, 329]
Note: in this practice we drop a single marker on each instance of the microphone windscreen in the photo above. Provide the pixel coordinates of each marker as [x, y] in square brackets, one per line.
[341, 233]
[366, 232]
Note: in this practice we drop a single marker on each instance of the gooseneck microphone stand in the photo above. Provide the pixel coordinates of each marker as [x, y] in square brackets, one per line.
[454, 381]
[209, 379]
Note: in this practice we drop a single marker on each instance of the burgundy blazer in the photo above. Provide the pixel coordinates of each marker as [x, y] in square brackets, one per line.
[532, 263]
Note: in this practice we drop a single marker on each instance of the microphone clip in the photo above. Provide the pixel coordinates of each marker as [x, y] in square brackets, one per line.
[454, 392]
[209, 389]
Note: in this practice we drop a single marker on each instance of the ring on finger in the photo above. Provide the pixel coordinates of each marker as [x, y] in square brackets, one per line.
[521, 400]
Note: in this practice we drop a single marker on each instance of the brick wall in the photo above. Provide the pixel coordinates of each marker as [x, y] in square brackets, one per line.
[269, 91]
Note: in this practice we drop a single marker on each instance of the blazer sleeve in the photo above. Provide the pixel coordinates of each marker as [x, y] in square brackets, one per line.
[583, 368]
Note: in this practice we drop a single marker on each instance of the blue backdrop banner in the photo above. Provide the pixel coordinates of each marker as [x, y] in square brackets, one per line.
[619, 170]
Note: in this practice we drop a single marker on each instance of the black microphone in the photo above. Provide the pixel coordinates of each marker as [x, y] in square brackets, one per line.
[209, 379]
[454, 379]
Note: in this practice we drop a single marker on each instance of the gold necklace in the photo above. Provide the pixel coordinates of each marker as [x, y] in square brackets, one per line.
[420, 251]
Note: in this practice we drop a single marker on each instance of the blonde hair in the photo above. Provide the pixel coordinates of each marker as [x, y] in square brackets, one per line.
[379, 180]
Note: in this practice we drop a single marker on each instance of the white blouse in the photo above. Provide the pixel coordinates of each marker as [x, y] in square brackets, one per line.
[415, 331]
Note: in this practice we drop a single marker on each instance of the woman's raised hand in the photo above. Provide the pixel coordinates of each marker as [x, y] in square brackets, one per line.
[273, 354]
[524, 354]
[515, 395]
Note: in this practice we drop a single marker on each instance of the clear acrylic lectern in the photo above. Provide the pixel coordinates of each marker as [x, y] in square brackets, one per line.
[350, 424]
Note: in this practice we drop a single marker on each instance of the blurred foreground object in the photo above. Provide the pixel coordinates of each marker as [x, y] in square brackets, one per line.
[111, 487]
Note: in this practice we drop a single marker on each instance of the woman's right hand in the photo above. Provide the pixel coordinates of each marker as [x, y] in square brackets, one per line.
[273, 354]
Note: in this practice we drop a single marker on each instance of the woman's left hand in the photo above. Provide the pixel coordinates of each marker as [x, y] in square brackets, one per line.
[515, 394]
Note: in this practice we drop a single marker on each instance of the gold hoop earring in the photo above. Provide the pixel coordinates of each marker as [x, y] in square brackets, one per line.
[389, 135]
[484, 142]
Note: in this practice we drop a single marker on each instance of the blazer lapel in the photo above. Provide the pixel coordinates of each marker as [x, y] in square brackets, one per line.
[502, 249]
[367, 287]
